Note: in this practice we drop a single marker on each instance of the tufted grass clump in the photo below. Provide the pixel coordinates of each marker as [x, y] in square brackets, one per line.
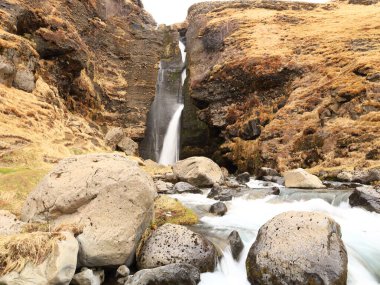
[16, 251]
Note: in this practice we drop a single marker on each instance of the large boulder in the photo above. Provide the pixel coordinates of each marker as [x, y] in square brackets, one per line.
[198, 171]
[300, 178]
[177, 244]
[172, 274]
[57, 268]
[367, 198]
[106, 194]
[9, 224]
[298, 248]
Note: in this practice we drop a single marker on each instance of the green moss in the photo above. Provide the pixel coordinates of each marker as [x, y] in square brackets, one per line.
[8, 170]
[169, 210]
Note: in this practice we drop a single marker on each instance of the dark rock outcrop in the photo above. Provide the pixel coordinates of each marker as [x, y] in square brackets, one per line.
[236, 244]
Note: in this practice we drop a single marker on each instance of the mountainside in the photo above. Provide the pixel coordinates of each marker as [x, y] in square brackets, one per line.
[70, 70]
[283, 85]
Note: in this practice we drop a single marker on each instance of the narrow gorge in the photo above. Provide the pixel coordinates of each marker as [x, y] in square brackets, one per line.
[158, 142]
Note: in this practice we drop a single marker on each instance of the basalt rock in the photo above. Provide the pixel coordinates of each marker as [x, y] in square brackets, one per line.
[176, 244]
[367, 198]
[218, 209]
[257, 102]
[298, 248]
[236, 244]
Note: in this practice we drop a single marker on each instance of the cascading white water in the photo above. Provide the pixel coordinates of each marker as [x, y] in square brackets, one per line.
[171, 145]
[170, 149]
[360, 230]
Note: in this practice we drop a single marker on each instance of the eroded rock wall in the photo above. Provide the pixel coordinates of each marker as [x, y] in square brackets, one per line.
[284, 85]
[99, 60]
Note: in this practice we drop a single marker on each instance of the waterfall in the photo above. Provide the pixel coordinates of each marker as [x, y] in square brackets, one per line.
[171, 146]
[162, 140]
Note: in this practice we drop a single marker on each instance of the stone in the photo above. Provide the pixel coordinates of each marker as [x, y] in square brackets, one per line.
[218, 209]
[122, 271]
[236, 244]
[172, 274]
[225, 172]
[367, 198]
[128, 146]
[266, 171]
[366, 176]
[114, 136]
[164, 187]
[24, 80]
[9, 224]
[298, 248]
[220, 193]
[275, 179]
[177, 244]
[198, 171]
[243, 178]
[276, 191]
[58, 268]
[300, 178]
[106, 194]
[88, 277]
[184, 187]
[252, 130]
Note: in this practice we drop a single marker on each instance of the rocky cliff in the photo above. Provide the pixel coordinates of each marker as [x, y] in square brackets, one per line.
[284, 85]
[71, 69]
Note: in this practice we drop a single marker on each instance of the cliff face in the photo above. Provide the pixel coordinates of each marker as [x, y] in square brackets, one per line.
[284, 85]
[71, 69]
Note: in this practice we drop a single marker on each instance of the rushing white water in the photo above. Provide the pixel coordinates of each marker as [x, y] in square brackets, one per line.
[360, 230]
[170, 149]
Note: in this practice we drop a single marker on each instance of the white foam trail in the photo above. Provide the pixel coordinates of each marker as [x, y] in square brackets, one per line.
[170, 148]
[360, 233]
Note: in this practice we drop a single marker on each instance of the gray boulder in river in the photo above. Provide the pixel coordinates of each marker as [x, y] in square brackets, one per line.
[106, 194]
[172, 274]
[198, 171]
[298, 248]
[367, 198]
[177, 244]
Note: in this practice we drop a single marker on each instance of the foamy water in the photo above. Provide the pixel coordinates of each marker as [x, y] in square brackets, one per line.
[360, 231]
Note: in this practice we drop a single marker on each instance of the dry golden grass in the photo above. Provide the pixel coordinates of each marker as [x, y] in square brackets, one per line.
[18, 250]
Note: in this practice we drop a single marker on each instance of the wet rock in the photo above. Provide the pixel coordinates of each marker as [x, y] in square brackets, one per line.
[363, 2]
[164, 187]
[128, 146]
[265, 171]
[198, 171]
[177, 244]
[243, 178]
[184, 187]
[298, 248]
[57, 268]
[232, 184]
[9, 224]
[275, 191]
[220, 193]
[275, 179]
[88, 277]
[218, 209]
[172, 274]
[367, 198]
[106, 194]
[236, 244]
[300, 178]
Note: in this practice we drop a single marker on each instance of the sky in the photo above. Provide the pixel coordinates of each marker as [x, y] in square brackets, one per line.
[175, 11]
[168, 11]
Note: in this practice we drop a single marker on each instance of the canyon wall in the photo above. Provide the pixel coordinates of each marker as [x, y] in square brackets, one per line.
[283, 85]
[70, 70]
